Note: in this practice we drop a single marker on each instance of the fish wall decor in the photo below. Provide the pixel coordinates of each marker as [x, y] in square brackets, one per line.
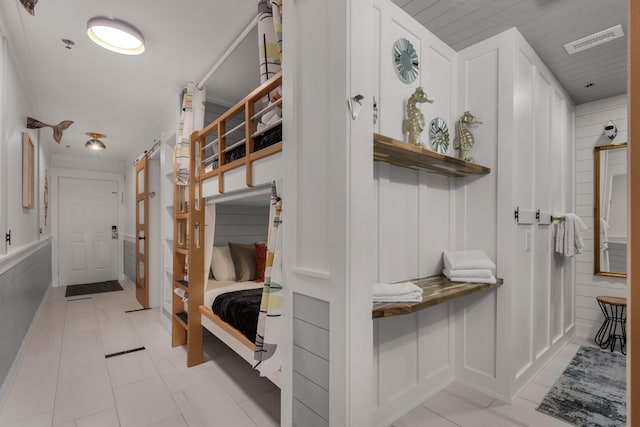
[57, 129]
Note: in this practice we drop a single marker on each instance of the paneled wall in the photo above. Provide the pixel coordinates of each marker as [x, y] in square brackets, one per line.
[22, 288]
[590, 120]
[413, 354]
[327, 192]
[504, 336]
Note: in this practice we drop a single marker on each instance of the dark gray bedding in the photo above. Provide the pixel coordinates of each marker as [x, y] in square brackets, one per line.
[240, 309]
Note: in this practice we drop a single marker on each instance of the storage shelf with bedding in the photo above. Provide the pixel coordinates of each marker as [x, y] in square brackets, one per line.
[435, 290]
[411, 156]
[240, 135]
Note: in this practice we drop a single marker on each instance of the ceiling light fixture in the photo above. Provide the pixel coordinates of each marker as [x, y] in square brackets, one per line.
[594, 40]
[94, 143]
[115, 35]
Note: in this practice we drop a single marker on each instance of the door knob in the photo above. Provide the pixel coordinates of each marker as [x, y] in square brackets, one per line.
[141, 238]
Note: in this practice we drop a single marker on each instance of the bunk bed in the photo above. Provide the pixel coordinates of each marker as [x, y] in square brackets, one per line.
[238, 151]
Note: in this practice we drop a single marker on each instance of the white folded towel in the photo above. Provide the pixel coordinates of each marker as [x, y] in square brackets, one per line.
[396, 292]
[490, 280]
[414, 297]
[465, 260]
[476, 272]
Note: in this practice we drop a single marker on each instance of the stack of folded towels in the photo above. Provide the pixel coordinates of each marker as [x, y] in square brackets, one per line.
[396, 292]
[472, 266]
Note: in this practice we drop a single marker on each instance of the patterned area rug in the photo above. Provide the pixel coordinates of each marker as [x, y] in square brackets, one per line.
[591, 391]
[92, 288]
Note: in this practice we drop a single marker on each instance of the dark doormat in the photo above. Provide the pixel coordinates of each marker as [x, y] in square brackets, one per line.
[92, 288]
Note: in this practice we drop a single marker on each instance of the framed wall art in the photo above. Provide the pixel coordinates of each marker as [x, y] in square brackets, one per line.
[27, 171]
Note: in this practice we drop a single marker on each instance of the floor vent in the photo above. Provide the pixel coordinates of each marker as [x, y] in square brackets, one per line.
[138, 309]
[78, 299]
[120, 353]
[593, 40]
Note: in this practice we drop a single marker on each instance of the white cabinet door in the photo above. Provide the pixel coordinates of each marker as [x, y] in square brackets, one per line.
[88, 209]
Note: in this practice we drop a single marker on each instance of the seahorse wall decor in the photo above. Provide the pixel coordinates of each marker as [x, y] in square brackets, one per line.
[414, 123]
[464, 139]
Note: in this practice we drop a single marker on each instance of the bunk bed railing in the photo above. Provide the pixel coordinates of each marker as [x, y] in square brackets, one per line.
[229, 142]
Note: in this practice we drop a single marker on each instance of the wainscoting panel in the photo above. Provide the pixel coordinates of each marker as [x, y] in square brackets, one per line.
[130, 259]
[22, 288]
[310, 361]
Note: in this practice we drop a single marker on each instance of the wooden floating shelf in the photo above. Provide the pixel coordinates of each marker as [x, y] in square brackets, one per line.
[411, 156]
[435, 290]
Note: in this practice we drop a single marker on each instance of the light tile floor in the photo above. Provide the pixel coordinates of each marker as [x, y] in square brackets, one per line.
[64, 380]
[458, 405]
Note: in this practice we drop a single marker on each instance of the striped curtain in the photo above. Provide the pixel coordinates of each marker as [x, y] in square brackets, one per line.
[270, 38]
[268, 335]
[192, 106]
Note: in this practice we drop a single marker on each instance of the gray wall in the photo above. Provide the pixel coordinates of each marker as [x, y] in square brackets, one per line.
[130, 260]
[241, 224]
[22, 288]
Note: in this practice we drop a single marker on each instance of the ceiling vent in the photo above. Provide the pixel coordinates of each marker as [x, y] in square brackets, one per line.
[594, 39]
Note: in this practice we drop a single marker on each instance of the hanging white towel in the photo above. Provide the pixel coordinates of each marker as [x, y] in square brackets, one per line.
[560, 237]
[604, 234]
[468, 259]
[477, 272]
[579, 227]
[569, 241]
[569, 236]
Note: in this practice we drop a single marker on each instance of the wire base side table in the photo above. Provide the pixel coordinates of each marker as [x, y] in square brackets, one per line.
[613, 328]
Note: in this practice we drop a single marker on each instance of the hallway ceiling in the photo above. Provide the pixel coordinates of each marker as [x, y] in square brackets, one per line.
[547, 25]
[121, 95]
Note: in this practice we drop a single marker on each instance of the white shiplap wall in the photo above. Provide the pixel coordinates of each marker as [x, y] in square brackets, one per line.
[590, 119]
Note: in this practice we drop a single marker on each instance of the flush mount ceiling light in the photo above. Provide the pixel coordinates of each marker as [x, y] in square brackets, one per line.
[593, 40]
[94, 143]
[115, 35]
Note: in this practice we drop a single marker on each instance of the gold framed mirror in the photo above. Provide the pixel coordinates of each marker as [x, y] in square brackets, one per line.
[610, 210]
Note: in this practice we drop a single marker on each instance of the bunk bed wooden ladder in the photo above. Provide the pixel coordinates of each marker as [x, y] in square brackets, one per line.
[188, 258]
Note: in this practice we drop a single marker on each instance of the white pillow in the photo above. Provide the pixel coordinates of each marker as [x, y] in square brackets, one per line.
[222, 263]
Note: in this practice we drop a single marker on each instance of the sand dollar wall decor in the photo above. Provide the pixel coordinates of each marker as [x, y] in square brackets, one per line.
[439, 135]
[405, 60]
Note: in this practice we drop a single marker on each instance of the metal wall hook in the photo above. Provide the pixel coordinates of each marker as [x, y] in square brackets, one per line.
[355, 105]
[375, 111]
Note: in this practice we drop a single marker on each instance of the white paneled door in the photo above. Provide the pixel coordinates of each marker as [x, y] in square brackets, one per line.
[88, 248]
